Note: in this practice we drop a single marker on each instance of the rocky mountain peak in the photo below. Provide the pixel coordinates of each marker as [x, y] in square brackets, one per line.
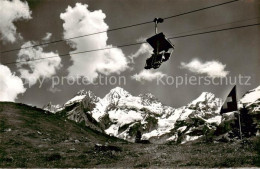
[117, 93]
[82, 94]
[204, 97]
[251, 100]
[148, 95]
[148, 99]
[206, 101]
[51, 107]
[251, 96]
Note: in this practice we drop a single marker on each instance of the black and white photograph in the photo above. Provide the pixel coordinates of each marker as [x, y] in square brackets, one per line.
[129, 83]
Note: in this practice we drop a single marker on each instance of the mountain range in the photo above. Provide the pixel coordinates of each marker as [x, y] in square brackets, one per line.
[125, 116]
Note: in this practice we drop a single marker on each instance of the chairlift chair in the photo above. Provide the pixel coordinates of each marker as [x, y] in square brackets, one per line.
[162, 48]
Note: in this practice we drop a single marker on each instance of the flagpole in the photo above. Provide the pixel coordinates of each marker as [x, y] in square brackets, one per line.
[240, 130]
[239, 121]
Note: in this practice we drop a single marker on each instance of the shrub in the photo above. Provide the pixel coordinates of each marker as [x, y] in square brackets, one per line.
[53, 157]
[257, 148]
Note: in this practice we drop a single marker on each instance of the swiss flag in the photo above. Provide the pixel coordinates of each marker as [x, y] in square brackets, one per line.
[230, 103]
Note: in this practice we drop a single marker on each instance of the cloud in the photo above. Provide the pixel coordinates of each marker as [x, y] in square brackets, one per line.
[10, 85]
[54, 89]
[147, 75]
[80, 21]
[44, 68]
[144, 49]
[212, 69]
[11, 11]
[47, 36]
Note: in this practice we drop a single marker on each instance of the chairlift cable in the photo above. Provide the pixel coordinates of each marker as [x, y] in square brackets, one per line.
[119, 28]
[139, 43]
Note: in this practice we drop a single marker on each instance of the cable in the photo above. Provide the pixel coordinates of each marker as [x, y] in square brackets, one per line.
[88, 51]
[169, 17]
[114, 29]
[213, 26]
[133, 44]
[219, 30]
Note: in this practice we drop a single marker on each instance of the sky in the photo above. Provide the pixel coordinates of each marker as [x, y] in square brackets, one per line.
[214, 56]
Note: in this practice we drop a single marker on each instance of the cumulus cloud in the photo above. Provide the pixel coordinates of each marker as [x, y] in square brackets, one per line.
[80, 21]
[43, 68]
[212, 69]
[10, 85]
[144, 50]
[11, 11]
[47, 36]
[147, 75]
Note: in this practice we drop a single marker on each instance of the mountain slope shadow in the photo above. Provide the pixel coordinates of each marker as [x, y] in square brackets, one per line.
[30, 137]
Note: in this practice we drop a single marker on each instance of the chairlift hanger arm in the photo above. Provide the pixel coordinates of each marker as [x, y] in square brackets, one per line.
[156, 21]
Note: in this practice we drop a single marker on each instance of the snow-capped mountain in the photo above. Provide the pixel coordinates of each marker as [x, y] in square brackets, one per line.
[189, 122]
[251, 100]
[123, 115]
[52, 108]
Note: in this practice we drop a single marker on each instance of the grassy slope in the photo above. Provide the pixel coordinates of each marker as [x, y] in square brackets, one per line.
[30, 138]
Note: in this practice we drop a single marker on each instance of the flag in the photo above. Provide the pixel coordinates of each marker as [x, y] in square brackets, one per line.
[230, 103]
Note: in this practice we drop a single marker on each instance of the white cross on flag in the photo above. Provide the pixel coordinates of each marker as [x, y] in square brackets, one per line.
[230, 103]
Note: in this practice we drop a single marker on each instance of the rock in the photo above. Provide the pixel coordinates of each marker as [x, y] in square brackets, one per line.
[103, 148]
[73, 149]
[8, 130]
